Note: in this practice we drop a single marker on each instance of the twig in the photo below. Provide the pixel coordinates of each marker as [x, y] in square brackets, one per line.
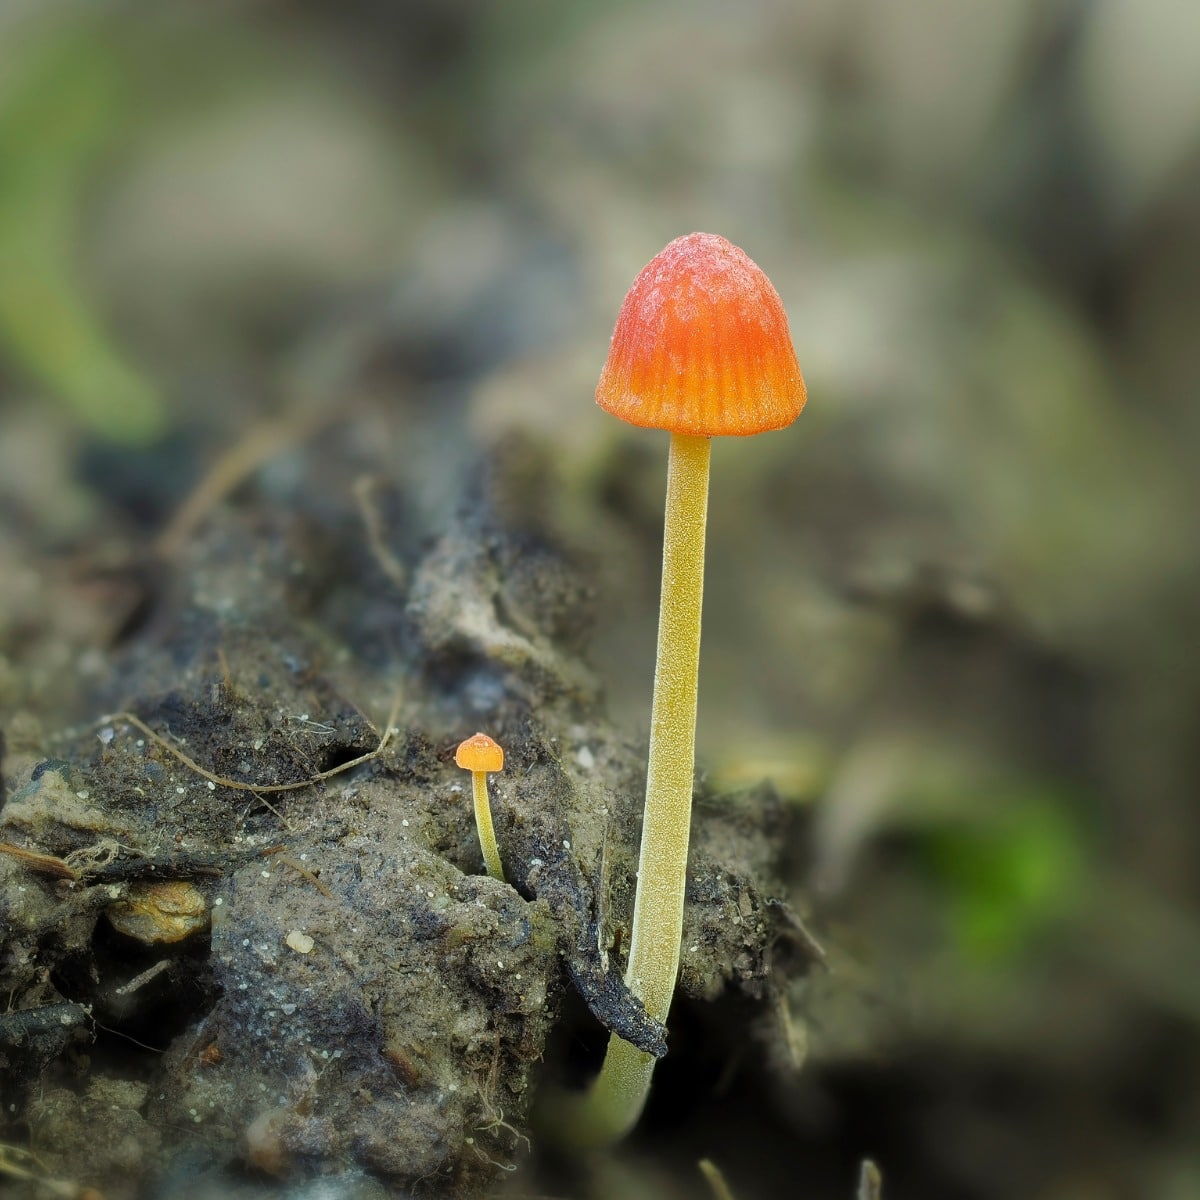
[18, 1163]
[300, 869]
[870, 1182]
[22, 1024]
[43, 864]
[239, 785]
[795, 1040]
[716, 1180]
[139, 981]
[256, 446]
[365, 488]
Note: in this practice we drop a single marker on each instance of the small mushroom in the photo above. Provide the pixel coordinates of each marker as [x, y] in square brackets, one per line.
[480, 755]
[701, 349]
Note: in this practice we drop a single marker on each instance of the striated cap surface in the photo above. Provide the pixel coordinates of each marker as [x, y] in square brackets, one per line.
[480, 753]
[702, 346]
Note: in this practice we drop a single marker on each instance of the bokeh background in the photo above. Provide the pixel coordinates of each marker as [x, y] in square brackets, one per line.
[952, 612]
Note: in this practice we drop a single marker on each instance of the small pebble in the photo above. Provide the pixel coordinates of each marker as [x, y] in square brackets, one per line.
[299, 941]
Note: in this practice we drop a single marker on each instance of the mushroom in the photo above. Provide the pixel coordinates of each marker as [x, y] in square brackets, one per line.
[701, 348]
[480, 755]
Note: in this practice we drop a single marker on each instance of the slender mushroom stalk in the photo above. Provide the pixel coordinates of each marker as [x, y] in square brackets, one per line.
[701, 348]
[480, 755]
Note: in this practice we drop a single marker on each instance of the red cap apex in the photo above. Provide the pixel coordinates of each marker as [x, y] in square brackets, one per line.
[480, 753]
[702, 346]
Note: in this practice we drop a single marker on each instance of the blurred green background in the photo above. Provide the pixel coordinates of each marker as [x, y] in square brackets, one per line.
[952, 612]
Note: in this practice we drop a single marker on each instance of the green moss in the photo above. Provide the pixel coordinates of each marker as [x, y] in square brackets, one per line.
[57, 115]
[1009, 878]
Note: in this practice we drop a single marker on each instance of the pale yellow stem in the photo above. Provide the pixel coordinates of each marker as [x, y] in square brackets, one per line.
[615, 1101]
[483, 821]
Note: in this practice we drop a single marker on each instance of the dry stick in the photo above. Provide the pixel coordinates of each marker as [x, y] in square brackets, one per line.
[237, 784]
[226, 674]
[270, 808]
[49, 864]
[43, 864]
[795, 1039]
[364, 493]
[258, 445]
[139, 981]
[716, 1180]
[18, 1163]
[300, 869]
[870, 1182]
[21, 1025]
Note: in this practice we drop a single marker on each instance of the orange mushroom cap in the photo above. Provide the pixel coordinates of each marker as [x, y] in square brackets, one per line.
[480, 753]
[702, 346]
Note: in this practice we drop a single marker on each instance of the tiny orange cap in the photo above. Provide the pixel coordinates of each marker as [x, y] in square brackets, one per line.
[702, 346]
[480, 753]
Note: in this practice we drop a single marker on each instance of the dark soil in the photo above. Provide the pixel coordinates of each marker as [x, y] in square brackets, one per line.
[214, 987]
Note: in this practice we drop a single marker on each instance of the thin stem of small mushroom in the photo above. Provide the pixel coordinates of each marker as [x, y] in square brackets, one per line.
[615, 1101]
[483, 822]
